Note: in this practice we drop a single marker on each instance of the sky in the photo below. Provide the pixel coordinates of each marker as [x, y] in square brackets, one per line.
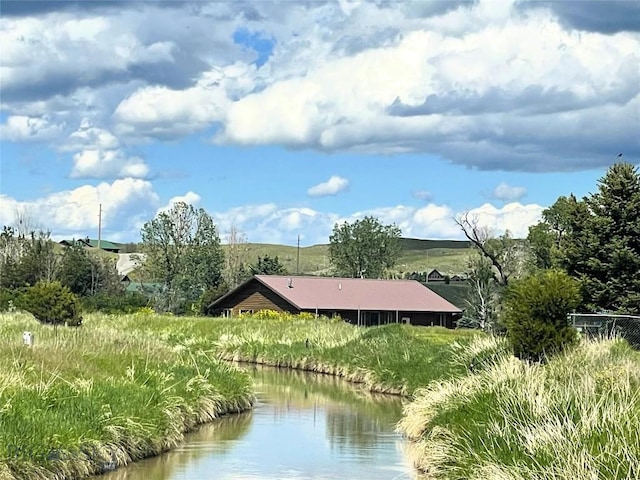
[284, 118]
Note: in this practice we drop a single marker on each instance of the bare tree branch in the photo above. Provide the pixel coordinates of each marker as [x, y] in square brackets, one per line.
[479, 237]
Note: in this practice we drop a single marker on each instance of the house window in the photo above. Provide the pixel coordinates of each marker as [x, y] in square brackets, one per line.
[227, 313]
[406, 320]
[246, 311]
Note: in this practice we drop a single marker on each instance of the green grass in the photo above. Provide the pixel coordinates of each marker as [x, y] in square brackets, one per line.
[392, 359]
[83, 399]
[124, 387]
[576, 417]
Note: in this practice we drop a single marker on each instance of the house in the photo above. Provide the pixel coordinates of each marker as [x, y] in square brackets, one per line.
[104, 245]
[90, 242]
[359, 301]
[435, 276]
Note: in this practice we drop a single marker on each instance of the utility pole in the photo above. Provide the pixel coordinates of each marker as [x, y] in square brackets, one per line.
[298, 257]
[99, 225]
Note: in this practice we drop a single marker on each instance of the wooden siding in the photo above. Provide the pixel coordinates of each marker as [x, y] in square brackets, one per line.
[254, 297]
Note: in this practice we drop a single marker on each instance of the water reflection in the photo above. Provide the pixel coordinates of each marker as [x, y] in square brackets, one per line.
[304, 426]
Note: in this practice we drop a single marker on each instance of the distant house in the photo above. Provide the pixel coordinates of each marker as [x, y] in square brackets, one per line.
[69, 243]
[363, 302]
[104, 245]
[90, 242]
[435, 276]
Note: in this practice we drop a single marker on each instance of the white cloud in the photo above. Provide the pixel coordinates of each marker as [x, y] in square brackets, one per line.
[126, 205]
[422, 195]
[107, 164]
[487, 84]
[333, 186]
[99, 155]
[508, 193]
[59, 52]
[22, 128]
[269, 223]
[87, 135]
[162, 112]
[514, 217]
[190, 198]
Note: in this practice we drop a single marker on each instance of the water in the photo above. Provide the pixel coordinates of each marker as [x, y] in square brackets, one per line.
[304, 426]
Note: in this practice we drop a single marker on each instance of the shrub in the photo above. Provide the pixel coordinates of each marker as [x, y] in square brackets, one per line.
[122, 303]
[209, 296]
[271, 315]
[52, 303]
[535, 314]
[8, 299]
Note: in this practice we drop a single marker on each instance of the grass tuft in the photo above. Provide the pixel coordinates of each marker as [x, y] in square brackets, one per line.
[90, 399]
[577, 417]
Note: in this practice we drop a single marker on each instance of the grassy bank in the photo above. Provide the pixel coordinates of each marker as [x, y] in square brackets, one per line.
[577, 417]
[391, 359]
[85, 400]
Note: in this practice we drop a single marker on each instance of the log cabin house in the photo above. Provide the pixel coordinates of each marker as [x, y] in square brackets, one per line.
[363, 302]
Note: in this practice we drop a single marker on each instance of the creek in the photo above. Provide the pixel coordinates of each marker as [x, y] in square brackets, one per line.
[303, 426]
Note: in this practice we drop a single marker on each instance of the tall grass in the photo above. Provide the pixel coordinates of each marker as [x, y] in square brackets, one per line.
[391, 359]
[85, 400]
[577, 417]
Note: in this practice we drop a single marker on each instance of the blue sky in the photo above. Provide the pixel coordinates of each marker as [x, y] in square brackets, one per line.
[282, 119]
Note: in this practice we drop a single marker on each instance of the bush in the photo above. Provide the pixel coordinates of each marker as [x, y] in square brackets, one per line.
[8, 299]
[52, 303]
[211, 295]
[129, 302]
[535, 314]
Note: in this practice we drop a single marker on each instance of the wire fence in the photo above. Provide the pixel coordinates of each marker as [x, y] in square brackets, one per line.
[603, 324]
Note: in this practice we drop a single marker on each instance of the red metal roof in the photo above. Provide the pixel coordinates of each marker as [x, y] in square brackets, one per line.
[330, 293]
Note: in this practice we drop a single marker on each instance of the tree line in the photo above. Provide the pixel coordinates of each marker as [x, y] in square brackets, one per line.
[594, 241]
[583, 256]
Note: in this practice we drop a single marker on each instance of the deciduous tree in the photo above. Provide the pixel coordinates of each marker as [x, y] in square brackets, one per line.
[183, 251]
[364, 248]
[482, 299]
[235, 272]
[507, 255]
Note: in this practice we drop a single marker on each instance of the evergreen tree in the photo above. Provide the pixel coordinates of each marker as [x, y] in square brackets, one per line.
[609, 260]
[597, 241]
[268, 266]
[535, 313]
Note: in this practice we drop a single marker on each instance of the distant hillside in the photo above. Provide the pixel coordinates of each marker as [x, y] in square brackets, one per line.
[448, 256]
[419, 244]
